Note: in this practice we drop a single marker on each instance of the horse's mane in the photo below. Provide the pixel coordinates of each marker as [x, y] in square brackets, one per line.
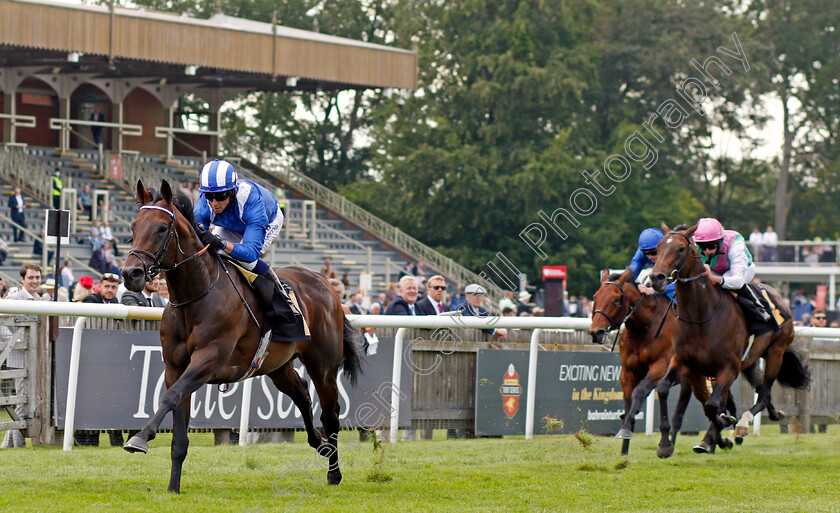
[617, 276]
[180, 200]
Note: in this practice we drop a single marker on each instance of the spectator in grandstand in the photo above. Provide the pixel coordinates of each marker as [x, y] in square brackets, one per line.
[96, 236]
[375, 309]
[345, 279]
[48, 289]
[327, 271]
[355, 305]
[524, 304]
[336, 284]
[17, 207]
[769, 241]
[107, 292]
[409, 269]
[57, 187]
[4, 288]
[109, 237]
[475, 306]
[147, 297]
[38, 248]
[818, 319]
[507, 301]
[30, 277]
[84, 288]
[83, 201]
[404, 303]
[66, 278]
[96, 131]
[163, 291]
[433, 303]
[755, 242]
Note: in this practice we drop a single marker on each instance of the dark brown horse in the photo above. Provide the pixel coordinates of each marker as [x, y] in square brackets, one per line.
[711, 338]
[644, 356]
[209, 337]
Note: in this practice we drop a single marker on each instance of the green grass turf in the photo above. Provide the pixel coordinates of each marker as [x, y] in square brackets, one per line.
[770, 473]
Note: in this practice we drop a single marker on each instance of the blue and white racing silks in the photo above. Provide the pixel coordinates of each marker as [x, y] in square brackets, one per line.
[252, 214]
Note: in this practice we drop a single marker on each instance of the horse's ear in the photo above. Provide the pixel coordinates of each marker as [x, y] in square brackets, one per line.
[166, 191]
[691, 231]
[143, 195]
[665, 228]
[604, 275]
[624, 276]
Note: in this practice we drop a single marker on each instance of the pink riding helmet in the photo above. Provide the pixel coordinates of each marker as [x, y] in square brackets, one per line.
[709, 229]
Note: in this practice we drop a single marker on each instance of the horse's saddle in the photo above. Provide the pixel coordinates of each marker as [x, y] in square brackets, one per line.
[280, 317]
[756, 325]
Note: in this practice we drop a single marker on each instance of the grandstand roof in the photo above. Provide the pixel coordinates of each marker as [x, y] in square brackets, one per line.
[235, 51]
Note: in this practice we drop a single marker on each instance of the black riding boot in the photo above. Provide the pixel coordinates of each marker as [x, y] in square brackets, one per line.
[752, 303]
[279, 308]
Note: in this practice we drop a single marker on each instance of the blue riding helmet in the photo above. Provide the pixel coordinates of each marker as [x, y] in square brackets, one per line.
[217, 176]
[649, 238]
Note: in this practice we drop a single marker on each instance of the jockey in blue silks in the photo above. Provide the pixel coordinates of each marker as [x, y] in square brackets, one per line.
[645, 257]
[246, 221]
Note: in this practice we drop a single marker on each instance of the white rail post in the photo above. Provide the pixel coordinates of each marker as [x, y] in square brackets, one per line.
[532, 384]
[245, 413]
[396, 379]
[649, 413]
[72, 382]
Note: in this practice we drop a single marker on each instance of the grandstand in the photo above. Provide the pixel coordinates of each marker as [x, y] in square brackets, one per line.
[351, 249]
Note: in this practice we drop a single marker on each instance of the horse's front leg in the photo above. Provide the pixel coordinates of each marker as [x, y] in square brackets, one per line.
[201, 368]
[714, 408]
[663, 388]
[180, 442]
[679, 410]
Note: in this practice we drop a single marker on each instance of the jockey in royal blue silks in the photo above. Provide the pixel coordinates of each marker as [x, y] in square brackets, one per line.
[645, 256]
[246, 221]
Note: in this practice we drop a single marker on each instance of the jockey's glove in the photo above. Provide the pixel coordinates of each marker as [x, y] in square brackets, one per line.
[208, 238]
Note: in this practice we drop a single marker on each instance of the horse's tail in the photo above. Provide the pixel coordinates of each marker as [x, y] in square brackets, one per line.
[793, 373]
[352, 358]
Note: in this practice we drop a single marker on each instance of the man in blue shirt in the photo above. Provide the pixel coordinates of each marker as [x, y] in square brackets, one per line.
[645, 256]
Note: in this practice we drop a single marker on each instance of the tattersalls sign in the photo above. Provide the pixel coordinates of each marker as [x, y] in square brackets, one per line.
[121, 382]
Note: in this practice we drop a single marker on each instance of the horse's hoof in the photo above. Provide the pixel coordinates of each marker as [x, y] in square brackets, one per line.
[665, 451]
[739, 440]
[624, 433]
[780, 414]
[726, 444]
[727, 419]
[701, 448]
[741, 431]
[333, 477]
[136, 444]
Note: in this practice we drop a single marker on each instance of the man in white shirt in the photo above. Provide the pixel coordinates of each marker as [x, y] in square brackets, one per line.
[769, 241]
[756, 240]
[30, 277]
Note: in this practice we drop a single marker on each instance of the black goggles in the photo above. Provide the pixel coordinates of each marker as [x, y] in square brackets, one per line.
[708, 245]
[650, 252]
[217, 196]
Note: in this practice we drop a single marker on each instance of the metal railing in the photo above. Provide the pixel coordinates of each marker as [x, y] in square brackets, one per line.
[390, 234]
[64, 126]
[27, 172]
[168, 133]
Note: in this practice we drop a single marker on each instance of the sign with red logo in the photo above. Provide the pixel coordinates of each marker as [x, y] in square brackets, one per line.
[554, 272]
[510, 391]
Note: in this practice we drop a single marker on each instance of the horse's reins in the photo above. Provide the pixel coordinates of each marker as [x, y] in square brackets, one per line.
[152, 270]
[675, 276]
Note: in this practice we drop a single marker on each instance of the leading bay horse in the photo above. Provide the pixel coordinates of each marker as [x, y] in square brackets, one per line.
[711, 338]
[208, 336]
[645, 357]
